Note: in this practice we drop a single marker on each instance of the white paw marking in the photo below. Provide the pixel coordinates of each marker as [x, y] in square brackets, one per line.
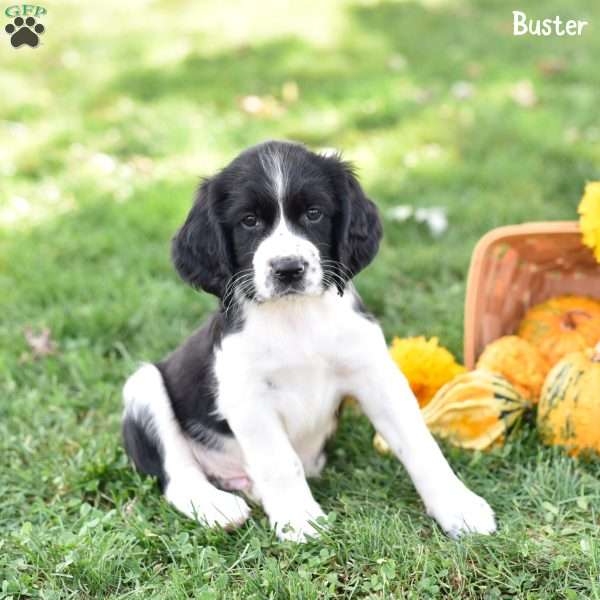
[296, 526]
[460, 511]
[211, 507]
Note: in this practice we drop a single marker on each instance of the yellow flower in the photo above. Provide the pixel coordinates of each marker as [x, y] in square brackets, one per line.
[589, 222]
[426, 365]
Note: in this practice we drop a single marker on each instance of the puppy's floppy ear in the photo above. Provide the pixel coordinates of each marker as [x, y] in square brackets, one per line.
[199, 248]
[361, 228]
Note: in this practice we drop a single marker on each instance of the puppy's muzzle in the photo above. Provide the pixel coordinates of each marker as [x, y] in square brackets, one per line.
[288, 270]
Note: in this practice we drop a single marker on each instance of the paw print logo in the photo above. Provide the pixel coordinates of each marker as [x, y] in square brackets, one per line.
[24, 31]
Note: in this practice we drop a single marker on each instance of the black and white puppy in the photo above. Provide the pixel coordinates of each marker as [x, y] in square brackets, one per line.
[248, 401]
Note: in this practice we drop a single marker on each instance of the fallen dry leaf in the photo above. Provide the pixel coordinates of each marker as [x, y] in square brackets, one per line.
[474, 70]
[260, 106]
[142, 164]
[40, 344]
[396, 62]
[462, 90]
[523, 93]
[551, 66]
[572, 135]
[290, 92]
[251, 104]
[422, 96]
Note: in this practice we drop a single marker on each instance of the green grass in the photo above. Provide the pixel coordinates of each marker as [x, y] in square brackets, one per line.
[104, 131]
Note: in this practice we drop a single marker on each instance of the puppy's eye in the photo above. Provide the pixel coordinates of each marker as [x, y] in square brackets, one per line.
[250, 221]
[314, 214]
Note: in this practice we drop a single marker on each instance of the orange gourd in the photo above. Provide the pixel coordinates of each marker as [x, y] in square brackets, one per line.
[518, 361]
[569, 407]
[562, 325]
[475, 410]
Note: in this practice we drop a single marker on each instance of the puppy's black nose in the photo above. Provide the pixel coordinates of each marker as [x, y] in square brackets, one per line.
[287, 269]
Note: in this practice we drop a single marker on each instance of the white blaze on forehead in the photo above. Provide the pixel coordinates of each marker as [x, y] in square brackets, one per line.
[282, 242]
[273, 163]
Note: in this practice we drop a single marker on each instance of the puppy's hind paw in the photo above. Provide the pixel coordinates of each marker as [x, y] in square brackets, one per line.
[213, 509]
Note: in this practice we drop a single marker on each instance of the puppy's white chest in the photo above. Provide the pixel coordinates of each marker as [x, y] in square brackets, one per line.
[305, 398]
[292, 359]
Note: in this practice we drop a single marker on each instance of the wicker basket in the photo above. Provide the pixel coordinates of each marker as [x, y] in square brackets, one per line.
[515, 267]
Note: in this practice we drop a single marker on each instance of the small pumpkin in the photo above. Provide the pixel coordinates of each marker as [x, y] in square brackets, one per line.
[475, 410]
[517, 360]
[562, 325]
[569, 407]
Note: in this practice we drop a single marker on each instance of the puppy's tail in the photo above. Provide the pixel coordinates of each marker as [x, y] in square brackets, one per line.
[144, 396]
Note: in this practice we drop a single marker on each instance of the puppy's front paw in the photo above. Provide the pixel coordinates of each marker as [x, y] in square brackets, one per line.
[459, 511]
[297, 525]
